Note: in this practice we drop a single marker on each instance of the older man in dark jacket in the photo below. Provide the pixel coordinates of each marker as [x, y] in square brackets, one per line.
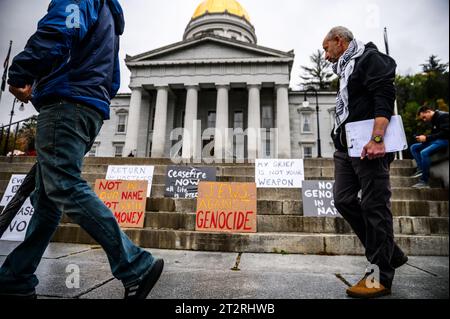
[366, 92]
[72, 64]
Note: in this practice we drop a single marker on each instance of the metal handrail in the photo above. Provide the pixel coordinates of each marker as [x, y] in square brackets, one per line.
[7, 129]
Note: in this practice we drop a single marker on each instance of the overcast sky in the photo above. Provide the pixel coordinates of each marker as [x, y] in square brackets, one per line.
[417, 29]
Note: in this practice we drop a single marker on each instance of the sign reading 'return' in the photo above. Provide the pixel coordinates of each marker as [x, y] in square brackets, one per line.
[226, 207]
[126, 199]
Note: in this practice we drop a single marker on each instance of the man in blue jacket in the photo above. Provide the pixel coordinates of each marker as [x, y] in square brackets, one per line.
[69, 70]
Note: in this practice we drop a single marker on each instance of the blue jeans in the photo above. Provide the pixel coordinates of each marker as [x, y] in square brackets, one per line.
[65, 133]
[422, 152]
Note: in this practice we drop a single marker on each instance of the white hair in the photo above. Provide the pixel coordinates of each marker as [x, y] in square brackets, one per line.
[342, 32]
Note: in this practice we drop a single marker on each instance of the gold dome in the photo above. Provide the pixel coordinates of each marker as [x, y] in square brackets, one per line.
[220, 6]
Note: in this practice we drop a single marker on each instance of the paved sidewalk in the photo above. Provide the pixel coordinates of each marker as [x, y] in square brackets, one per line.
[206, 275]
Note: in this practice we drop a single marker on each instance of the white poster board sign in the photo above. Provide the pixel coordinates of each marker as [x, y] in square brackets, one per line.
[18, 227]
[132, 173]
[13, 185]
[279, 173]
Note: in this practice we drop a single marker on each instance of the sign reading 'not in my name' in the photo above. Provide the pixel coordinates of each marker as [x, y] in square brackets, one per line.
[226, 207]
[182, 182]
[318, 200]
[277, 173]
[126, 199]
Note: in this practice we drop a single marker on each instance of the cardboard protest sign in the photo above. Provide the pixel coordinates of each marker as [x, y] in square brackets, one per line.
[126, 199]
[278, 173]
[318, 200]
[182, 182]
[131, 173]
[18, 227]
[226, 207]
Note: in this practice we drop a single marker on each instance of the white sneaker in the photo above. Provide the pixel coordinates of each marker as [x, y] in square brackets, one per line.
[421, 185]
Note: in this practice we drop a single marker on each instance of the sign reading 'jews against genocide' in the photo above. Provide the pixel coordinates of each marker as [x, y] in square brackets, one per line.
[226, 207]
[182, 182]
[18, 226]
[132, 173]
[277, 173]
[318, 200]
[126, 199]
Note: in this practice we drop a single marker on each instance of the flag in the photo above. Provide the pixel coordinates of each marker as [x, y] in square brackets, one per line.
[5, 67]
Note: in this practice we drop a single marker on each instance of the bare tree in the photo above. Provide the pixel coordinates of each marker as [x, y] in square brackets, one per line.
[320, 74]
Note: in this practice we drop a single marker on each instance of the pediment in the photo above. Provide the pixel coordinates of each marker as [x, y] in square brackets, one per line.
[209, 48]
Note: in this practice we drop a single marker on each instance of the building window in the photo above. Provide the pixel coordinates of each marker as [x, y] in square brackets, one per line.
[118, 150]
[211, 119]
[121, 123]
[267, 117]
[93, 150]
[307, 152]
[239, 119]
[267, 124]
[306, 123]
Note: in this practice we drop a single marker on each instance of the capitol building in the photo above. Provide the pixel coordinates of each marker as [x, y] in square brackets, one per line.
[184, 97]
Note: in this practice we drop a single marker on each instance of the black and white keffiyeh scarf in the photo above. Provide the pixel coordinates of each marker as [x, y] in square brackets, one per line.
[344, 69]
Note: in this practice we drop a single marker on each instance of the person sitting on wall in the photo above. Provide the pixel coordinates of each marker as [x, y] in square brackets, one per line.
[429, 144]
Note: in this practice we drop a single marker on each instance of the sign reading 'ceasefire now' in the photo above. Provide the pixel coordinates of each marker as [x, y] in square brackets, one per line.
[126, 199]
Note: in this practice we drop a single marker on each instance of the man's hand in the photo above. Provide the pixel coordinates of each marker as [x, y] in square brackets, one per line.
[421, 138]
[22, 94]
[373, 150]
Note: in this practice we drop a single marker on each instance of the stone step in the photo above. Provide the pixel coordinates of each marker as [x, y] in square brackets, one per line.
[300, 224]
[159, 177]
[295, 207]
[158, 189]
[324, 162]
[310, 171]
[292, 243]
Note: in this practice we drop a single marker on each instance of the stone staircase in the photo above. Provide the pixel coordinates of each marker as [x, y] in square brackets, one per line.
[420, 216]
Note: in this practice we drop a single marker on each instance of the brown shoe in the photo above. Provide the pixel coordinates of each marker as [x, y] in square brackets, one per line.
[375, 290]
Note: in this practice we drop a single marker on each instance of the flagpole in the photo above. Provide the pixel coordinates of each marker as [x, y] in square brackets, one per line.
[5, 71]
[386, 45]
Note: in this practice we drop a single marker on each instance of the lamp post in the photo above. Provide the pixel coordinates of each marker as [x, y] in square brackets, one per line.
[21, 108]
[306, 104]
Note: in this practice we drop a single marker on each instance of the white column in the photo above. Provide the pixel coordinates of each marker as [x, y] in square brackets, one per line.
[190, 118]
[134, 115]
[254, 121]
[283, 126]
[159, 127]
[221, 143]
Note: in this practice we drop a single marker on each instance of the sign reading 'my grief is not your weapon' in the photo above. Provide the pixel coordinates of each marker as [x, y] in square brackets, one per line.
[278, 173]
[226, 207]
[126, 199]
[18, 227]
[182, 182]
[318, 200]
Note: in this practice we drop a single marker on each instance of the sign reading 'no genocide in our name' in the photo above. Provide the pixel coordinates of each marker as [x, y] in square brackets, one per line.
[318, 200]
[182, 182]
[277, 173]
[126, 199]
[18, 226]
[226, 207]
[132, 173]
